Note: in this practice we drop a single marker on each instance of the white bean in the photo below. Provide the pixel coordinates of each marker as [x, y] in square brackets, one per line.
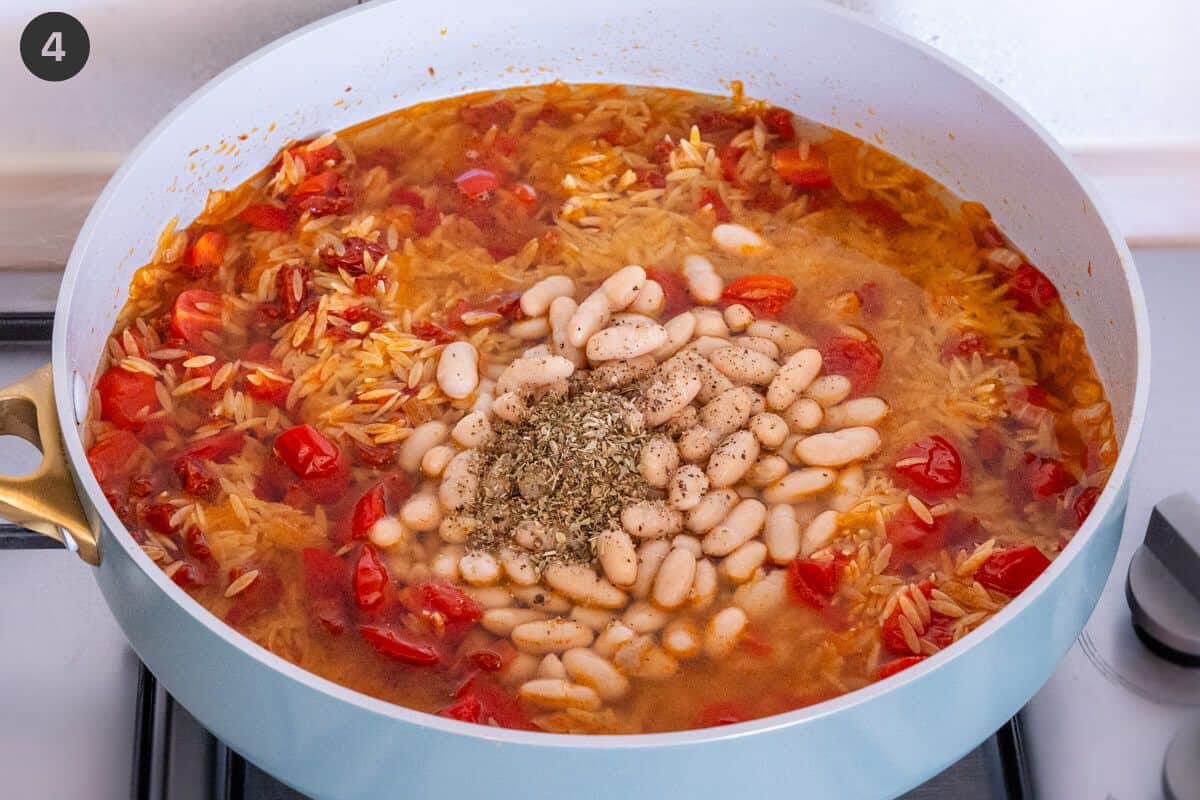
[434, 462]
[729, 411]
[744, 366]
[705, 346]
[501, 621]
[711, 509]
[458, 370]
[625, 342]
[536, 300]
[819, 533]
[423, 437]
[456, 529]
[650, 555]
[472, 430]
[595, 618]
[445, 563]
[650, 300]
[799, 484]
[520, 668]
[519, 566]
[581, 583]
[650, 519]
[674, 578]
[459, 481]
[688, 543]
[687, 487]
[479, 568]
[762, 597]
[781, 534]
[788, 339]
[421, 512]
[697, 443]
[739, 526]
[723, 631]
[560, 314]
[829, 390]
[769, 429]
[642, 658]
[387, 532]
[679, 332]
[738, 317]
[658, 460]
[559, 693]
[509, 407]
[668, 395]
[622, 287]
[592, 314]
[618, 557]
[710, 324]
[644, 617]
[740, 565]
[551, 635]
[766, 470]
[588, 668]
[758, 344]
[613, 638]
[541, 598]
[848, 488]
[704, 585]
[486, 597]
[524, 373]
[734, 238]
[803, 415]
[681, 638]
[537, 351]
[796, 374]
[732, 459]
[838, 448]
[704, 284]
[530, 329]
[859, 411]
[551, 667]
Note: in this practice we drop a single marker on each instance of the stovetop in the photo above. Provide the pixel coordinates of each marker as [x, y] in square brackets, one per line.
[72, 724]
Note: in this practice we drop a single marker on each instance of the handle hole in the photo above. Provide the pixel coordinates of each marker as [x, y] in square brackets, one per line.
[20, 444]
[18, 457]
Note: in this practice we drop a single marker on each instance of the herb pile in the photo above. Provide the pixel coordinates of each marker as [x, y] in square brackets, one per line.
[567, 467]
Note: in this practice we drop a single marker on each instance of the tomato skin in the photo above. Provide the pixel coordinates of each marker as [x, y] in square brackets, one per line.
[724, 713]
[315, 160]
[326, 582]
[1011, 571]
[765, 295]
[908, 532]
[353, 256]
[1037, 478]
[400, 645]
[219, 447]
[292, 283]
[195, 477]
[711, 198]
[307, 451]
[811, 172]
[369, 509]
[858, 360]
[204, 255]
[879, 214]
[813, 583]
[1084, 504]
[440, 597]
[112, 457]
[942, 472]
[779, 122]
[123, 394]
[481, 701]
[526, 194]
[261, 595]
[730, 157]
[899, 665]
[431, 332]
[483, 117]
[189, 321]
[320, 195]
[477, 184]
[267, 217]
[677, 299]
[370, 579]
[1031, 289]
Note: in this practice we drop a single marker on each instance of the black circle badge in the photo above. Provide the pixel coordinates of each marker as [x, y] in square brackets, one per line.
[55, 46]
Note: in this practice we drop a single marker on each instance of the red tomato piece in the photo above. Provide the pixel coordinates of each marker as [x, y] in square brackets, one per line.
[525, 193]
[352, 258]
[219, 447]
[195, 478]
[858, 360]
[320, 195]
[809, 171]
[426, 221]
[194, 313]
[879, 214]
[710, 198]
[369, 509]
[675, 291]
[315, 459]
[370, 579]
[899, 665]
[1011, 571]
[124, 395]
[723, 713]
[1039, 478]
[477, 184]
[327, 582]
[436, 596]
[483, 117]
[1082, 506]
[409, 197]
[482, 701]
[940, 471]
[261, 595]
[765, 295]
[400, 645]
[112, 458]
[292, 283]
[267, 217]
[908, 532]
[779, 122]
[205, 254]
[989, 446]
[432, 332]
[1031, 289]
[268, 387]
[813, 583]
[730, 157]
[494, 657]
[316, 159]
[964, 345]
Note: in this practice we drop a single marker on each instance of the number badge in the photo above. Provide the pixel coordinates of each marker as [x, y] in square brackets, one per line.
[55, 46]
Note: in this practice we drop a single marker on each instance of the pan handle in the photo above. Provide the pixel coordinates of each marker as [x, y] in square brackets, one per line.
[46, 499]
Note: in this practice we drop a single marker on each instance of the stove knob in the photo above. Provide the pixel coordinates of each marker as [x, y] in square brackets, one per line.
[1181, 770]
[1163, 585]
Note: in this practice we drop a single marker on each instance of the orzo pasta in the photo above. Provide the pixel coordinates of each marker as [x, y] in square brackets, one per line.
[597, 409]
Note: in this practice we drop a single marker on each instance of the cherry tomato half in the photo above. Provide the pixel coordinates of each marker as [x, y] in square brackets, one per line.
[123, 396]
[765, 295]
[858, 360]
[809, 171]
[940, 471]
[194, 313]
[1031, 289]
[370, 579]
[400, 645]
[1011, 571]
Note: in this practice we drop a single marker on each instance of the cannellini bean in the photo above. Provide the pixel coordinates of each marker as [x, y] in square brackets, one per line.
[739, 526]
[710, 323]
[679, 329]
[729, 411]
[758, 344]
[479, 568]
[615, 374]
[766, 470]
[705, 346]
[740, 565]
[485, 394]
[674, 579]
[738, 317]
[423, 437]
[762, 597]
[525, 373]
[687, 487]
[799, 484]
[588, 668]
[472, 430]
[528, 329]
[658, 460]
[551, 667]
[848, 488]
[781, 534]
[509, 407]
[520, 668]
[734, 238]
[711, 510]
[541, 598]
[623, 286]
[501, 621]
[829, 390]
[723, 631]
[536, 300]
[788, 339]
[595, 618]
[458, 370]
[704, 284]
[592, 314]
[559, 693]
[650, 519]
[613, 638]
[796, 375]
[650, 300]
[445, 563]
[421, 512]
[744, 366]
[803, 415]
[560, 314]
[459, 481]
[650, 556]
[618, 557]
[859, 411]
[537, 351]
[820, 532]
[697, 443]
[531, 535]
[642, 658]
[838, 448]
[668, 395]
[551, 635]
[625, 342]
[434, 462]
[688, 543]
[644, 617]
[732, 459]
[769, 429]
[704, 585]
[519, 566]
[581, 583]
[387, 532]
[685, 419]
[456, 529]
[681, 638]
